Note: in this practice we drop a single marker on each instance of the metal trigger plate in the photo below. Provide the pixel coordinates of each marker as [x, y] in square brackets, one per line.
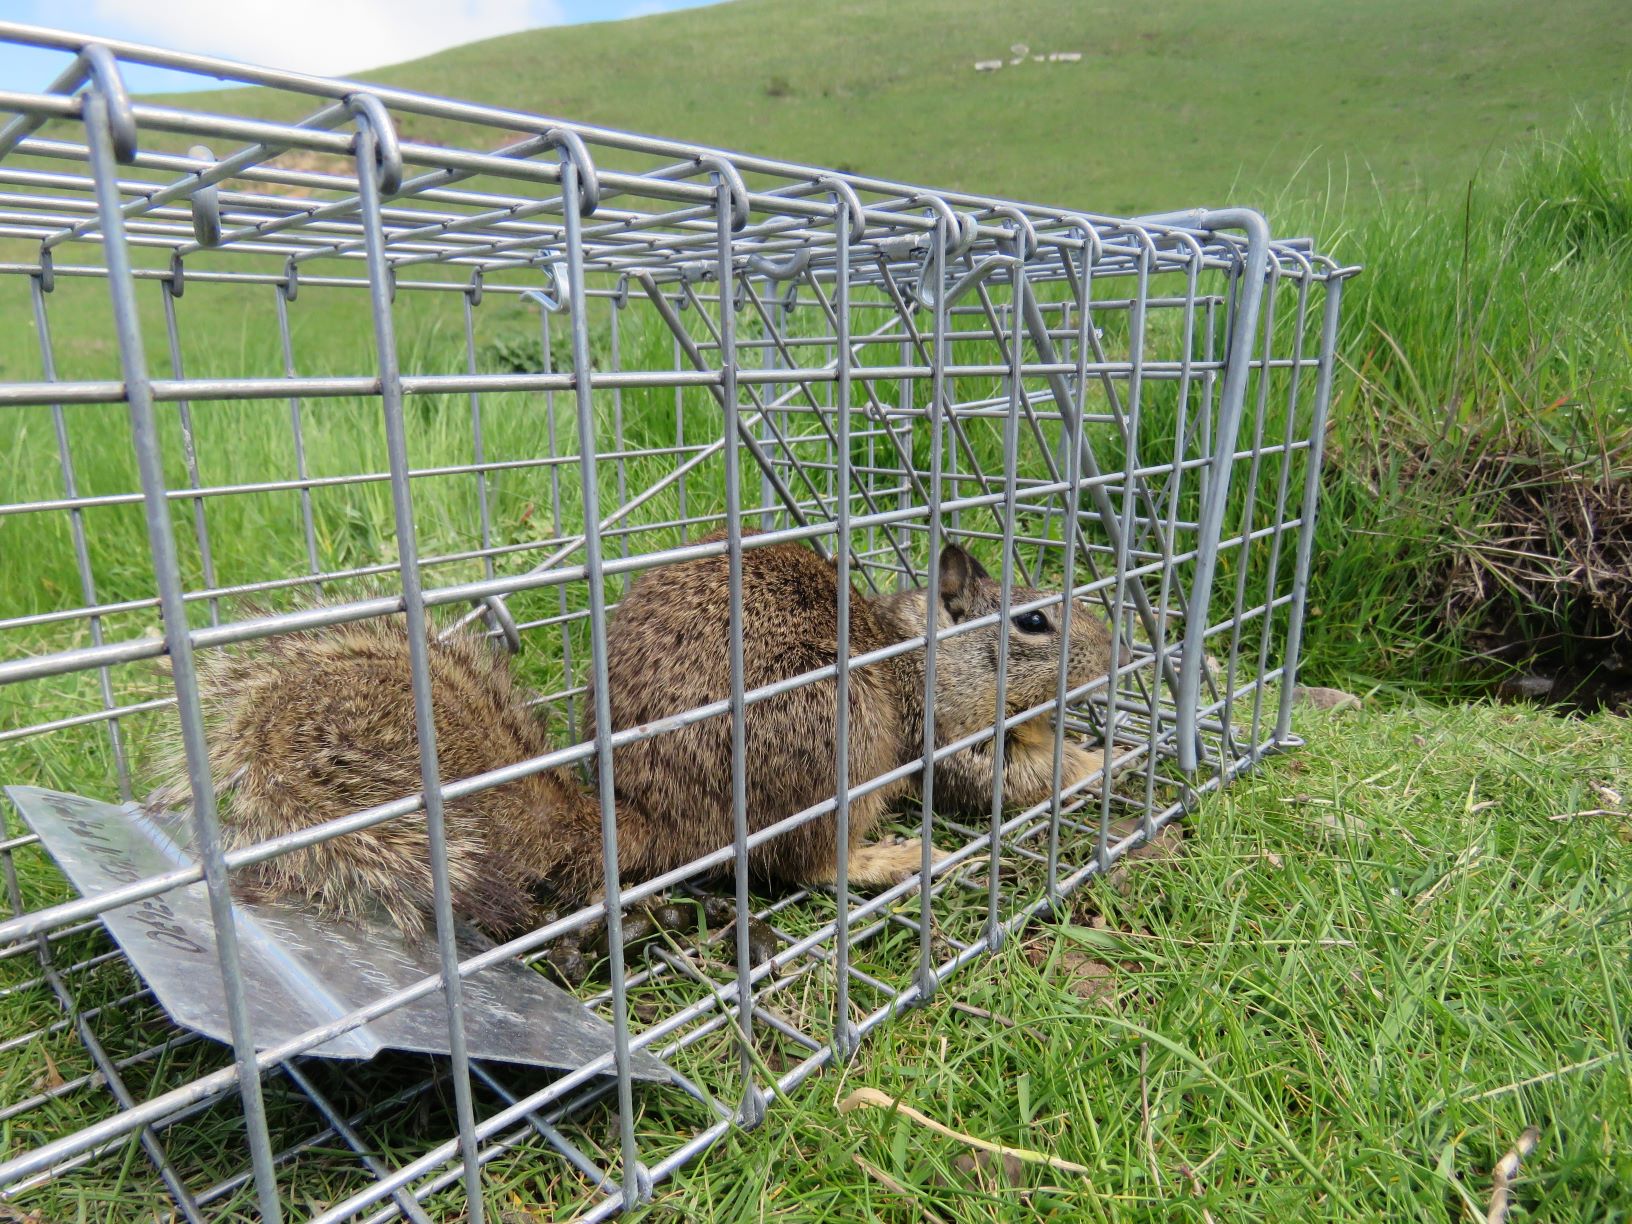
[301, 971]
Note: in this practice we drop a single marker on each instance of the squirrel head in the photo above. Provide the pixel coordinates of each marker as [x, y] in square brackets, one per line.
[966, 664]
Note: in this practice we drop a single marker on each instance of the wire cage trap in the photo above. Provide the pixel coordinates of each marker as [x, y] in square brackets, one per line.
[327, 352]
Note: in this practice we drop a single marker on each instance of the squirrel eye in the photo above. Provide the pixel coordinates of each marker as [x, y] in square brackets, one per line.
[1031, 622]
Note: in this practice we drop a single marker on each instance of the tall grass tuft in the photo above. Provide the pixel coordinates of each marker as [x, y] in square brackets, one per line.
[1482, 436]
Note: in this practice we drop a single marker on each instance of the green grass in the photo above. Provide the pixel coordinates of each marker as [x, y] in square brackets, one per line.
[1380, 958]
[1362, 973]
[1489, 341]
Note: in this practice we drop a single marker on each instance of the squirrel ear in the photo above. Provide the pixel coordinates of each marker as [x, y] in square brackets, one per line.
[959, 574]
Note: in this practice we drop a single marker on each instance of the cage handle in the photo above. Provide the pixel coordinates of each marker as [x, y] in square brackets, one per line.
[1250, 270]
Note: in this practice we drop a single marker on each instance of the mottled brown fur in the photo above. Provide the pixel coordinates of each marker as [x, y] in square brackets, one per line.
[309, 726]
[318, 724]
[667, 653]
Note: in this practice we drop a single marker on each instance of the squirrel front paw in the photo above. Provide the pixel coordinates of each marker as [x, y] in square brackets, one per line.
[1029, 767]
[1080, 763]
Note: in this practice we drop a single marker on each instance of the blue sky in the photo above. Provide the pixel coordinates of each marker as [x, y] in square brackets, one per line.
[327, 37]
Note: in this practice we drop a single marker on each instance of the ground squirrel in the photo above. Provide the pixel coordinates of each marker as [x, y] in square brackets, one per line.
[667, 653]
[316, 724]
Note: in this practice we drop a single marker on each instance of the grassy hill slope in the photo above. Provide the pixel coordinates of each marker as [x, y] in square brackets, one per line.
[1174, 103]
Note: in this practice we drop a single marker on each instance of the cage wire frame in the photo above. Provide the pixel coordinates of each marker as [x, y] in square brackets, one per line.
[1129, 410]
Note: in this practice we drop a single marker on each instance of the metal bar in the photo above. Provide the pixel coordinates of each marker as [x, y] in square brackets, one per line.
[845, 1039]
[547, 348]
[1311, 497]
[280, 299]
[161, 541]
[1242, 328]
[413, 606]
[636, 1183]
[478, 451]
[76, 523]
[109, 1073]
[927, 980]
[352, 1139]
[184, 413]
[993, 930]
[751, 1106]
[1278, 521]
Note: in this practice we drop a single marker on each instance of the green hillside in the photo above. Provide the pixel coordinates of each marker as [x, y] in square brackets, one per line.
[1174, 103]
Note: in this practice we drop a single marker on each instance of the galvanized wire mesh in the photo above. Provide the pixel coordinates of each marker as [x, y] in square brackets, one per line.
[407, 354]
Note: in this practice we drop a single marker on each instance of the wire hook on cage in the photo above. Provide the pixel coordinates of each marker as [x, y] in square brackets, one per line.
[206, 208]
[473, 290]
[555, 297]
[105, 76]
[206, 203]
[48, 270]
[1087, 242]
[726, 178]
[843, 193]
[779, 269]
[291, 279]
[1148, 253]
[960, 231]
[794, 265]
[369, 111]
[1023, 234]
[571, 148]
[927, 296]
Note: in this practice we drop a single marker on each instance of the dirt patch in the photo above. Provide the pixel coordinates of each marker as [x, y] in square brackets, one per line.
[1088, 978]
[1091, 959]
[1079, 972]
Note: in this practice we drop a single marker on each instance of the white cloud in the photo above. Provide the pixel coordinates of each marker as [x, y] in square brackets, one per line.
[325, 37]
